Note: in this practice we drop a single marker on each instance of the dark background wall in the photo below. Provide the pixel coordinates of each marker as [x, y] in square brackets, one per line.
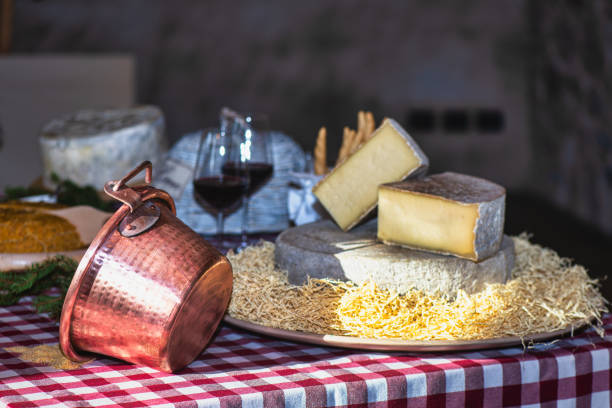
[515, 91]
[313, 63]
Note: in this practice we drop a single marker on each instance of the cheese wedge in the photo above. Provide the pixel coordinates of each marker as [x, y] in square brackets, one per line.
[447, 213]
[350, 191]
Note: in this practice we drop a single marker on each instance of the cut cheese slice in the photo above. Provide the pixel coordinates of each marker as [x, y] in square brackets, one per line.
[448, 213]
[350, 191]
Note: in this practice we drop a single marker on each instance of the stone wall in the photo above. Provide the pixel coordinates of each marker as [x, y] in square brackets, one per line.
[314, 63]
[571, 95]
[516, 91]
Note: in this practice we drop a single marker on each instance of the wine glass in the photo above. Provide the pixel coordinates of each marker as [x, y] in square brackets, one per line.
[255, 160]
[214, 190]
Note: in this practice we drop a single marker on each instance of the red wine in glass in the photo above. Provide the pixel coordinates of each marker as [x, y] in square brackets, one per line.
[258, 174]
[217, 193]
[254, 160]
[220, 192]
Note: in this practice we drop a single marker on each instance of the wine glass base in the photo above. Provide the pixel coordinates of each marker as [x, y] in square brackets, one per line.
[234, 242]
[226, 242]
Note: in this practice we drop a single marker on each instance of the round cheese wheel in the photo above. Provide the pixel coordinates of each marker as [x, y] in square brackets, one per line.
[91, 147]
[322, 250]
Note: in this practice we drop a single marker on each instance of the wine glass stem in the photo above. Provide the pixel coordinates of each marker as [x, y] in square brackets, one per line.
[245, 221]
[220, 223]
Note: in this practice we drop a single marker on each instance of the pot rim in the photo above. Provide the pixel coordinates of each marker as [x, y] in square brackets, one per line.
[67, 348]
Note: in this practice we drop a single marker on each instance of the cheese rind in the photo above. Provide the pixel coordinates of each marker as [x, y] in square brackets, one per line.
[321, 250]
[402, 269]
[447, 213]
[349, 191]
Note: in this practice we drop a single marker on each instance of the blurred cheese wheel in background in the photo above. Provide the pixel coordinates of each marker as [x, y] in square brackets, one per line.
[91, 147]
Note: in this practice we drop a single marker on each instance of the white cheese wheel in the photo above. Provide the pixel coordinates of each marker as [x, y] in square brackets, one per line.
[322, 250]
[91, 147]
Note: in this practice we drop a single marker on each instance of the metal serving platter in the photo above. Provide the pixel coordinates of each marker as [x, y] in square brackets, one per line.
[398, 344]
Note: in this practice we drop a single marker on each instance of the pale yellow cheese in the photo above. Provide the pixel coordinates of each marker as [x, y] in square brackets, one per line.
[350, 191]
[446, 213]
[436, 224]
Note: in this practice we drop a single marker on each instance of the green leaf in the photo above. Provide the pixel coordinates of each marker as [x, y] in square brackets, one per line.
[55, 272]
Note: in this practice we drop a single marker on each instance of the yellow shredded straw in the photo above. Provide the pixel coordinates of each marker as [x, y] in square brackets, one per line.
[48, 354]
[546, 293]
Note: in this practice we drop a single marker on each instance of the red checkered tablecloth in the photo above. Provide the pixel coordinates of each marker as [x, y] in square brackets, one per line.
[243, 369]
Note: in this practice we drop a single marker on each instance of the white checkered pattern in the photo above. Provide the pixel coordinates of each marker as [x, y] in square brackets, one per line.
[243, 369]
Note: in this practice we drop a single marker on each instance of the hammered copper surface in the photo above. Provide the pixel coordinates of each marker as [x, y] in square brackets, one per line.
[155, 298]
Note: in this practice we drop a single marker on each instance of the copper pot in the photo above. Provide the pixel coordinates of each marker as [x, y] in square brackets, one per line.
[149, 290]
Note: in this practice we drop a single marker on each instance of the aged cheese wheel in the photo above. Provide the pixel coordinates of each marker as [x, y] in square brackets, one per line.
[322, 250]
[91, 147]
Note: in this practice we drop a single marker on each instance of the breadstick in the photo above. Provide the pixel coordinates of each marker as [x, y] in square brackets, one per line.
[370, 124]
[357, 140]
[347, 142]
[361, 121]
[320, 153]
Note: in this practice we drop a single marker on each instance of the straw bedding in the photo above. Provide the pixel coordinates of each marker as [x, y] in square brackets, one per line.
[546, 293]
[49, 354]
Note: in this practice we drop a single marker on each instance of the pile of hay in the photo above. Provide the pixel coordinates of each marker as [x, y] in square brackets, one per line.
[25, 229]
[546, 293]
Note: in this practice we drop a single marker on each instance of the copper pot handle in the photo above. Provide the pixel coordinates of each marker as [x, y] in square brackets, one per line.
[119, 191]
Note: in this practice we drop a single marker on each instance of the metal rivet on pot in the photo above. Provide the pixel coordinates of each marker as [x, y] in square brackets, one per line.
[143, 218]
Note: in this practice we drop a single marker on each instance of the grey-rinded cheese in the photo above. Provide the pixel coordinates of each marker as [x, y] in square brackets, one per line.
[91, 147]
[400, 269]
[321, 250]
[349, 191]
[448, 213]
